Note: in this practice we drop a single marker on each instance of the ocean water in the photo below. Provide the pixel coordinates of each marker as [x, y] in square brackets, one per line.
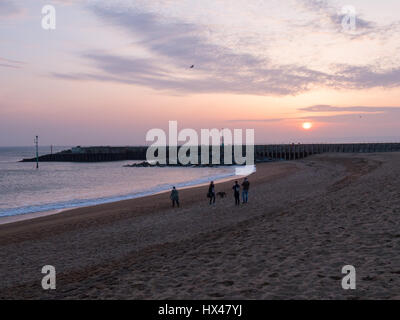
[62, 185]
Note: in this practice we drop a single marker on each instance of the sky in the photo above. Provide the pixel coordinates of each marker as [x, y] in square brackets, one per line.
[113, 70]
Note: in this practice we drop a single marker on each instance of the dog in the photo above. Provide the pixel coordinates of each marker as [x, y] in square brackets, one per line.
[221, 194]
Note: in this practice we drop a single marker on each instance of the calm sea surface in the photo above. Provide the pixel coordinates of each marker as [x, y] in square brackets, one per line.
[62, 185]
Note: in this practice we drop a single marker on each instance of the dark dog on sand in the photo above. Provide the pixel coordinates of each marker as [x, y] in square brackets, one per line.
[221, 194]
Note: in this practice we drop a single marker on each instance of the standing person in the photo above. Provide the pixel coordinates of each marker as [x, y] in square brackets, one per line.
[211, 192]
[174, 197]
[236, 193]
[245, 192]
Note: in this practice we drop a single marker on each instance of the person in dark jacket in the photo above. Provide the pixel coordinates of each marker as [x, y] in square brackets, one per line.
[175, 197]
[245, 191]
[211, 192]
[236, 193]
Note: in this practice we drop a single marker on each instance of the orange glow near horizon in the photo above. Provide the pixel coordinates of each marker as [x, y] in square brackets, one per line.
[307, 125]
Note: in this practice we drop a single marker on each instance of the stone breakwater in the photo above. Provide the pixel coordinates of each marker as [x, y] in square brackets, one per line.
[263, 153]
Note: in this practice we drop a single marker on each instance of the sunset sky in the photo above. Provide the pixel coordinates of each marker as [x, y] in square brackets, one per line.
[112, 70]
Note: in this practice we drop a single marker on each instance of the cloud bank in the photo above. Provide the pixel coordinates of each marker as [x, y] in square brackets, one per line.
[174, 45]
[339, 114]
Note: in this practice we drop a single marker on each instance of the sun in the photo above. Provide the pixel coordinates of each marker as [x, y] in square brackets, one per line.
[307, 125]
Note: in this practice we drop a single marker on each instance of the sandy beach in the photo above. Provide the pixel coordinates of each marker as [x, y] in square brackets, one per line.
[305, 220]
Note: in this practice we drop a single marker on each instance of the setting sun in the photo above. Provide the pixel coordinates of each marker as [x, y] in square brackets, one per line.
[307, 125]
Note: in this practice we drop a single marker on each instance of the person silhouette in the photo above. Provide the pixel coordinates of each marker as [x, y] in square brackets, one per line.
[174, 197]
[236, 193]
[211, 192]
[245, 191]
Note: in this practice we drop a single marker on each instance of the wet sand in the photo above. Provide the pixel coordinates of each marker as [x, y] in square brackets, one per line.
[28, 216]
[305, 220]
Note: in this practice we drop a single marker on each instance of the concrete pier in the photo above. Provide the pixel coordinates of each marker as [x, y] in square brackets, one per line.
[299, 151]
[262, 152]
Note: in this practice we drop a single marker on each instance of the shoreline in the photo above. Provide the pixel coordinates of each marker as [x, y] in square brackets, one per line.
[27, 216]
[109, 213]
[6, 220]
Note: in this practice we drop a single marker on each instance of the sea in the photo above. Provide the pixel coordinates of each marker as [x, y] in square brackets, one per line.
[64, 185]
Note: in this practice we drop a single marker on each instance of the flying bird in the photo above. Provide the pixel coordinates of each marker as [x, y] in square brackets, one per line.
[192, 66]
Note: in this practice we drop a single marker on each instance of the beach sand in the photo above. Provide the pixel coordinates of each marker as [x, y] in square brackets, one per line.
[306, 219]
